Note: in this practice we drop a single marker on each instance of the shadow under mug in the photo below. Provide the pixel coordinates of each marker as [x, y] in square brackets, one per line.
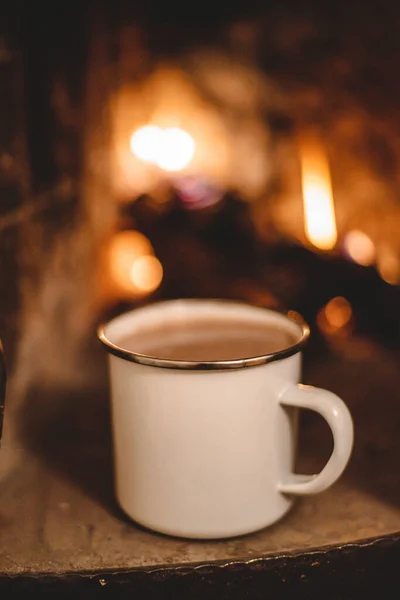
[207, 449]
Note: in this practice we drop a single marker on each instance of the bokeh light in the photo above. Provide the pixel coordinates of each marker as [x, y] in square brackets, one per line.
[389, 266]
[176, 151]
[146, 143]
[171, 149]
[359, 247]
[133, 268]
[146, 273]
[336, 316]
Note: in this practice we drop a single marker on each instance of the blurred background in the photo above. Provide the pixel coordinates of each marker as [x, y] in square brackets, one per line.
[159, 150]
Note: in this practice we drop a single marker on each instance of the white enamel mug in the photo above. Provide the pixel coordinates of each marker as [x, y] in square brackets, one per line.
[206, 450]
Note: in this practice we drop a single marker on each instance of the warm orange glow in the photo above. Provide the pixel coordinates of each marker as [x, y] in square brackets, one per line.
[335, 316]
[389, 266]
[146, 273]
[171, 149]
[177, 151]
[134, 269]
[319, 212]
[146, 141]
[338, 312]
[360, 247]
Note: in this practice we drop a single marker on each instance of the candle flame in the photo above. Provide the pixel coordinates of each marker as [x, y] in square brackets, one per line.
[319, 211]
[171, 149]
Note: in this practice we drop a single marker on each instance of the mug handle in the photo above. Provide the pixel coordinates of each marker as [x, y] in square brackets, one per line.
[338, 417]
[2, 387]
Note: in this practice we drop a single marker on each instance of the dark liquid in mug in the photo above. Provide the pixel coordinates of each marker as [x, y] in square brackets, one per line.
[211, 340]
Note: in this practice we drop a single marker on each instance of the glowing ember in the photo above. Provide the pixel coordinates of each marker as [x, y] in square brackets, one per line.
[335, 316]
[146, 273]
[319, 212]
[170, 149]
[360, 247]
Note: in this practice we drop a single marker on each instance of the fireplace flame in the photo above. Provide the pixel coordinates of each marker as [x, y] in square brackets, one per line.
[171, 149]
[319, 211]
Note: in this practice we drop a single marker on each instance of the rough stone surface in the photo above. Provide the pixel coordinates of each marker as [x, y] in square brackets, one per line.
[57, 511]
